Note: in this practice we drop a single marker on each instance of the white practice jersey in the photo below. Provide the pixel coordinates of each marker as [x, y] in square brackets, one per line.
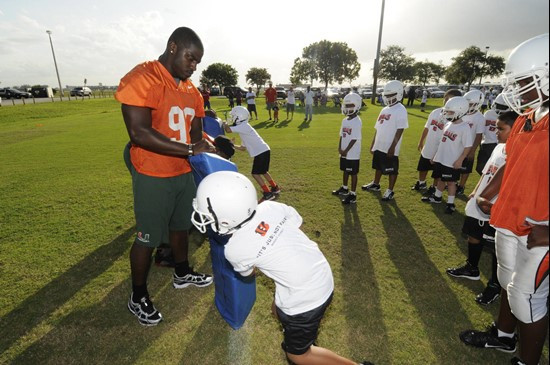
[251, 101]
[456, 137]
[351, 130]
[476, 122]
[435, 126]
[390, 119]
[290, 97]
[495, 162]
[490, 133]
[273, 242]
[250, 139]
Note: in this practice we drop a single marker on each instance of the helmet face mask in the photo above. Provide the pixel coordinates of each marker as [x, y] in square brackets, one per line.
[393, 92]
[475, 99]
[239, 114]
[351, 104]
[499, 105]
[454, 109]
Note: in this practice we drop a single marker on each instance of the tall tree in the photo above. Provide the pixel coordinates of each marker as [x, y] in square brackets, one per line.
[327, 62]
[438, 72]
[219, 73]
[423, 72]
[472, 63]
[396, 65]
[257, 76]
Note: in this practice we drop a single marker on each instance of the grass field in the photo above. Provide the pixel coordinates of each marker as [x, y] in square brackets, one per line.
[66, 225]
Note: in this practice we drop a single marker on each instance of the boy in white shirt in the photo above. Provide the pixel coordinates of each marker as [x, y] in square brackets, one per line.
[251, 102]
[424, 100]
[290, 103]
[349, 147]
[386, 143]
[455, 145]
[267, 236]
[429, 140]
[257, 149]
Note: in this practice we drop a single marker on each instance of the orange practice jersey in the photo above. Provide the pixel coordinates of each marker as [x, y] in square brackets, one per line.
[523, 194]
[173, 108]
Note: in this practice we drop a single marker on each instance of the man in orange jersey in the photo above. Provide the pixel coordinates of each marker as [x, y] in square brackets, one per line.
[163, 113]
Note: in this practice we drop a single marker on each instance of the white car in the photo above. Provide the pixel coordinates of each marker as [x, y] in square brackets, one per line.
[435, 92]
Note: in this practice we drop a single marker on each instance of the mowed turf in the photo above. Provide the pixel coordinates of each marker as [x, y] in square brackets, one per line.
[66, 226]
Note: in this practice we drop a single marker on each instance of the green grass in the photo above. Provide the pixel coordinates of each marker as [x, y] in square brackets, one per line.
[66, 225]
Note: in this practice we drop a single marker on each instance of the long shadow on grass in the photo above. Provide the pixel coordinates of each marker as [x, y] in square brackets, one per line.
[361, 295]
[54, 294]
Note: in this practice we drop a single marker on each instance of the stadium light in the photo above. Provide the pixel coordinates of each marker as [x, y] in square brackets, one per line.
[377, 59]
[55, 62]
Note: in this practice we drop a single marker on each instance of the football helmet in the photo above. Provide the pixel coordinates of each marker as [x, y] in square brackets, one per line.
[239, 114]
[455, 108]
[499, 105]
[225, 201]
[351, 99]
[475, 99]
[393, 92]
[529, 62]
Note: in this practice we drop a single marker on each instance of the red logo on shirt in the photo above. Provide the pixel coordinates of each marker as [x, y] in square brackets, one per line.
[452, 136]
[262, 228]
[437, 124]
[346, 131]
[383, 117]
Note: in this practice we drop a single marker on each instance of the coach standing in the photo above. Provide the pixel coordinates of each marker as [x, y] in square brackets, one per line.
[163, 112]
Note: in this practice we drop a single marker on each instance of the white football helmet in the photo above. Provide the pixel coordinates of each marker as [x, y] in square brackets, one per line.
[351, 99]
[499, 105]
[239, 114]
[529, 62]
[393, 92]
[455, 108]
[475, 99]
[225, 201]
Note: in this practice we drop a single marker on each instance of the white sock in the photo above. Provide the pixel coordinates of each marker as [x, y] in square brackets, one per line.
[344, 187]
[388, 191]
[352, 192]
[422, 182]
[438, 194]
[504, 334]
[451, 199]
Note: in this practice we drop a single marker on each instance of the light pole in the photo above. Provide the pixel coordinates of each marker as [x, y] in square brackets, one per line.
[484, 64]
[377, 59]
[55, 63]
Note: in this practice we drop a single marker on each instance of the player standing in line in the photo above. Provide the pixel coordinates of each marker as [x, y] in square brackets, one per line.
[520, 215]
[162, 111]
[476, 121]
[429, 140]
[267, 236]
[349, 147]
[257, 149]
[451, 152]
[386, 143]
[476, 222]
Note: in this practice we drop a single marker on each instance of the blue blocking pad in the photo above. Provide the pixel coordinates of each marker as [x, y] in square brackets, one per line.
[212, 127]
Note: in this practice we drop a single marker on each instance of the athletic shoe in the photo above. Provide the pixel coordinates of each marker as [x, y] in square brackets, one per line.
[430, 191]
[371, 187]
[193, 278]
[164, 258]
[489, 294]
[350, 199]
[431, 199]
[419, 186]
[145, 311]
[450, 209]
[517, 361]
[388, 195]
[459, 190]
[366, 363]
[341, 191]
[269, 196]
[489, 339]
[466, 271]
[276, 190]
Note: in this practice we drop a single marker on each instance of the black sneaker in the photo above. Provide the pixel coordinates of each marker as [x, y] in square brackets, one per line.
[193, 278]
[366, 363]
[431, 199]
[388, 195]
[517, 361]
[489, 339]
[340, 191]
[450, 209]
[466, 271]
[489, 295]
[276, 190]
[350, 199]
[459, 190]
[371, 187]
[145, 311]
[269, 196]
[430, 191]
[419, 186]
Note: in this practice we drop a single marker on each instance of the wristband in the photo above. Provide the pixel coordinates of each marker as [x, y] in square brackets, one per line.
[190, 149]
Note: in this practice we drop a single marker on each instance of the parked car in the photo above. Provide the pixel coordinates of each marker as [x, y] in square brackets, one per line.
[281, 92]
[10, 93]
[234, 88]
[332, 91]
[214, 91]
[366, 93]
[435, 92]
[81, 91]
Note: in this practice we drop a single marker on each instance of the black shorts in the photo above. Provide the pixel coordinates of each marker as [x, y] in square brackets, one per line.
[485, 151]
[251, 108]
[445, 173]
[424, 164]
[349, 166]
[301, 330]
[260, 165]
[474, 227]
[388, 166]
[467, 166]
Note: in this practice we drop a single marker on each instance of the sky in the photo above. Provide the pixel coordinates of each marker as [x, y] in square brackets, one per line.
[101, 40]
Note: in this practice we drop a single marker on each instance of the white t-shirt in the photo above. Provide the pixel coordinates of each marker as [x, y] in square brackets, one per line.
[424, 97]
[250, 139]
[435, 126]
[456, 137]
[490, 133]
[351, 130]
[476, 122]
[252, 100]
[290, 97]
[273, 242]
[390, 119]
[497, 159]
[309, 97]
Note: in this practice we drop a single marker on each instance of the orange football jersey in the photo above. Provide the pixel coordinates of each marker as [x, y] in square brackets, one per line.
[173, 108]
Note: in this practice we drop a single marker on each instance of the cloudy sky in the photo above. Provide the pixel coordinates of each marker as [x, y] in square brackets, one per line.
[101, 40]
